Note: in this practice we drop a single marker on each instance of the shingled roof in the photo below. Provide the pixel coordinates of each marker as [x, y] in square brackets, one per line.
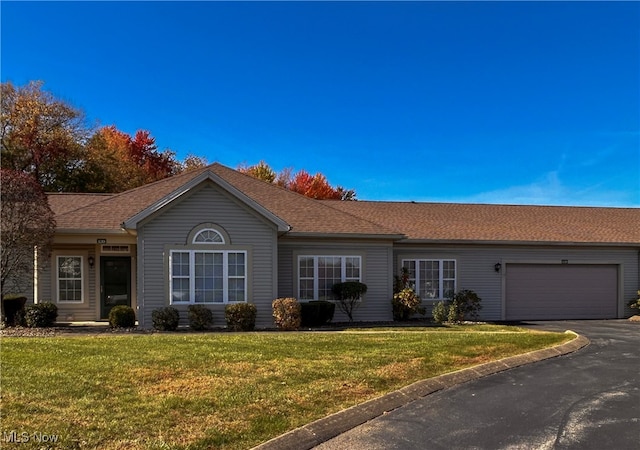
[408, 221]
[302, 214]
[451, 222]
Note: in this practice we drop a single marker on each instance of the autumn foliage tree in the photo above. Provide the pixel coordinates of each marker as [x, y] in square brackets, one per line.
[116, 162]
[313, 186]
[48, 138]
[39, 134]
[191, 162]
[27, 224]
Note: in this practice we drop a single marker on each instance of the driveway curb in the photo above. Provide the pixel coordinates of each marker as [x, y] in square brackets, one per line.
[321, 430]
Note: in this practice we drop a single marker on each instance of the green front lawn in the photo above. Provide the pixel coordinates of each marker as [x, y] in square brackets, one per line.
[221, 390]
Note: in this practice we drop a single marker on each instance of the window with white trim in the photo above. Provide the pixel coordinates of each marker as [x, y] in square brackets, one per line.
[208, 236]
[434, 279]
[69, 279]
[207, 276]
[318, 274]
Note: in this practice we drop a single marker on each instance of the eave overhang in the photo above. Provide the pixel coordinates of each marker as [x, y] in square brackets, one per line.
[90, 231]
[310, 235]
[503, 242]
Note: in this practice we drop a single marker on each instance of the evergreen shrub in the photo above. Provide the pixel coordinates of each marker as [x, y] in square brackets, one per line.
[317, 313]
[240, 316]
[165, 319]
[122, 316]
[41, 315]
[200, 317]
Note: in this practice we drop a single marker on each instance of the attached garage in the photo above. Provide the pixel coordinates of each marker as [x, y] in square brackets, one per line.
[561, 291]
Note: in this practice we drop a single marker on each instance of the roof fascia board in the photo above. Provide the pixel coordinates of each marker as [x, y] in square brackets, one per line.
[488, 242]
[393, 237]
[133, 221]
[89, 231]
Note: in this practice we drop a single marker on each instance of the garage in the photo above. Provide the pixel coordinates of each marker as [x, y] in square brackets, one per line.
[561, 291]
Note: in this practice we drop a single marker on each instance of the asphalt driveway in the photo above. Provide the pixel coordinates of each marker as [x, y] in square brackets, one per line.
[589, 399]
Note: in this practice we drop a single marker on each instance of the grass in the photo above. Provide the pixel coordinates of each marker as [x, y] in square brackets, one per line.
[222, 390]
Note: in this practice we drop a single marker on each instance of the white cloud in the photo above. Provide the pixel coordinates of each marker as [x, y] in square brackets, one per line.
[551, 190]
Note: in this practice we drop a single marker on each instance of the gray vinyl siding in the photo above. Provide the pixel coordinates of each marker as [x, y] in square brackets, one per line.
[377, 260]
[172, 225]
[475, 267]
[47, 285]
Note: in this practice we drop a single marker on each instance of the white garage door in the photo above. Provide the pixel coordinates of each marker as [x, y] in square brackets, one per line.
[561, 291]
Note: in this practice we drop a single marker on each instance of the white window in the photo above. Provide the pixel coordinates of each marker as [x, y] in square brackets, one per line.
[318, 274]
[208, 236]
[434, 279]
[70, 284]
[200, 276]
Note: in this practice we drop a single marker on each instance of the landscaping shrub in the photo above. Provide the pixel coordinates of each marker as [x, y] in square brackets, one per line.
[464, 305]
[240, 316]
[635, 304]
[165, 319]
[317, 313]
[13, 310]
[41, 315]
[349, 296]
[439, 312]
[122, 316]
[200, 317]
[287, 313]
[405, 303]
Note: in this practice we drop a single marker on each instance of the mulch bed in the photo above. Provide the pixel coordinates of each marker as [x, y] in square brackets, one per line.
[105, 330]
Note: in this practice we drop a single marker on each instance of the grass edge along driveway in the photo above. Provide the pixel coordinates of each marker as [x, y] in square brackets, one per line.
[221, 390]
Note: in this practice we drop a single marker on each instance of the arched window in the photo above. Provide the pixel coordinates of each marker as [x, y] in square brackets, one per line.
[208, 236]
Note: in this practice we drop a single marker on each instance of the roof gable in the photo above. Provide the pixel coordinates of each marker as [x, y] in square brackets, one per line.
[132, 222]
[289, 210]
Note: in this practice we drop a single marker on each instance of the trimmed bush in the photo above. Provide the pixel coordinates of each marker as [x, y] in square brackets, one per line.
[317, 313]
[635, 304]
[439, 312]
[287, 313]
[122, 316]
[464, 305]
[240, 316]
[41, 315]
[405, 303]
[13, 310]
[165, 319]
[200, 318]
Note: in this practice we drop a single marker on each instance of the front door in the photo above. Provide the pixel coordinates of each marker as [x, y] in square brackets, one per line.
[115, 283]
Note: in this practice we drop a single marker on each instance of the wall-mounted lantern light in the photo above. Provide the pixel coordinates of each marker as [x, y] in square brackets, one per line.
[91, 261]
[497, 267]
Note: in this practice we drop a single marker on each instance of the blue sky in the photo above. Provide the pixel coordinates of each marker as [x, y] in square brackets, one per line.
[482, 102]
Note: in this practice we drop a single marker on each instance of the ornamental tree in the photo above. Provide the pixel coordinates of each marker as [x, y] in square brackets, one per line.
[349, 296]
[28, 225]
